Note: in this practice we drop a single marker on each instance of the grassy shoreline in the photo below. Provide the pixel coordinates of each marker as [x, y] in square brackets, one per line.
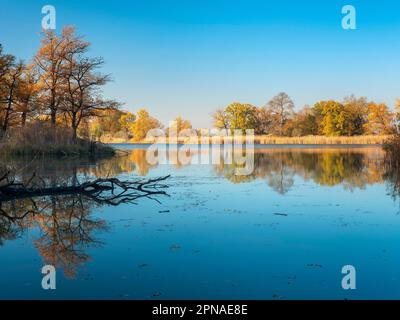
[57, 150]
[46, 140]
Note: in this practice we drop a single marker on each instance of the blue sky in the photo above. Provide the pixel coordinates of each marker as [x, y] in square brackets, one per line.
[189, 57]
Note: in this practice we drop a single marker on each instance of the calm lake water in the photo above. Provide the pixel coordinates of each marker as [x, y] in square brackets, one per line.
[283, 232]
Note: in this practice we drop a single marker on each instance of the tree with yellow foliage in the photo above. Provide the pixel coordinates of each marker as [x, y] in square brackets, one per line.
[126, 121]
[177, 126]
[50, 61]
[28, 103]
[336, 119]
[241, 116]
[143, 124]
[380, 119]
[220, 119]
[12, 81]
[397, 115]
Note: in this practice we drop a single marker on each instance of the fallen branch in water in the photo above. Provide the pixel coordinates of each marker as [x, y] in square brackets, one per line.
[111, 191]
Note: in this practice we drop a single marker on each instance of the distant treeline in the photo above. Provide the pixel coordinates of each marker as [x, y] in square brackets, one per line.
[350, 117]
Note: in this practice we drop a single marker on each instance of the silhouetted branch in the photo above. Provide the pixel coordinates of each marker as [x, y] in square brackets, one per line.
[111, 191]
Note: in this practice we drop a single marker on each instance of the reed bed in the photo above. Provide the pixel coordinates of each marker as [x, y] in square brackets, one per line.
[269, 140]
[310, 140]
[47, 140]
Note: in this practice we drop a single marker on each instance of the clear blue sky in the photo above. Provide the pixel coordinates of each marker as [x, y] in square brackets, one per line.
[191, 57]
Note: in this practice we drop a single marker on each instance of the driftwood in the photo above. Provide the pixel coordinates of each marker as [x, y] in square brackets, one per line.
[111, 191]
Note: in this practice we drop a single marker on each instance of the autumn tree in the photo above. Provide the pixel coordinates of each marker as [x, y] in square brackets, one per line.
[18, 91]
[220, 119]
[281, 107]
[107, 122]
[305, 122]
[143, 124]
[336, 120]
[6, 64]
[50, 61]
[82, 96]
[241, 116]
[11, 81]
[357, 110]
[126, 121]
[28, 103]
[397, 115]
[265, 121]
[380, 119]
[178, 125]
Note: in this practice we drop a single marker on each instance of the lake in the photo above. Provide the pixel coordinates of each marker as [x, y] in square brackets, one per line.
[283, 232]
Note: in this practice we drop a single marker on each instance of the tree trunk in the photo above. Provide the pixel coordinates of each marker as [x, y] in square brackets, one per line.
[53, 116]
[74, 134]
[8, 110]
[5, 122]
[23, 119]
[53, 109]
[74, 128]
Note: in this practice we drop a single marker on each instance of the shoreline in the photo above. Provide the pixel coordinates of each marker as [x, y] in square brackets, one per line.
[262, 140]
[148, 144]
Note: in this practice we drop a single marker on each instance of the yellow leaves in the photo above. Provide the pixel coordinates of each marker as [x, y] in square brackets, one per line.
[339, 119]
[220, 120]
[127, 120]
[237, 116]
[380, 119]
[143, 124]
[178, 125]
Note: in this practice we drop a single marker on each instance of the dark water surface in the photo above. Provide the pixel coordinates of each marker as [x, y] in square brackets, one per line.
[283, 232]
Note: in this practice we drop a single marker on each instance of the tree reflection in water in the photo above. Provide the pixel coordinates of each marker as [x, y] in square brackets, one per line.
[66, 224]
[66, 227]
[351, 167]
